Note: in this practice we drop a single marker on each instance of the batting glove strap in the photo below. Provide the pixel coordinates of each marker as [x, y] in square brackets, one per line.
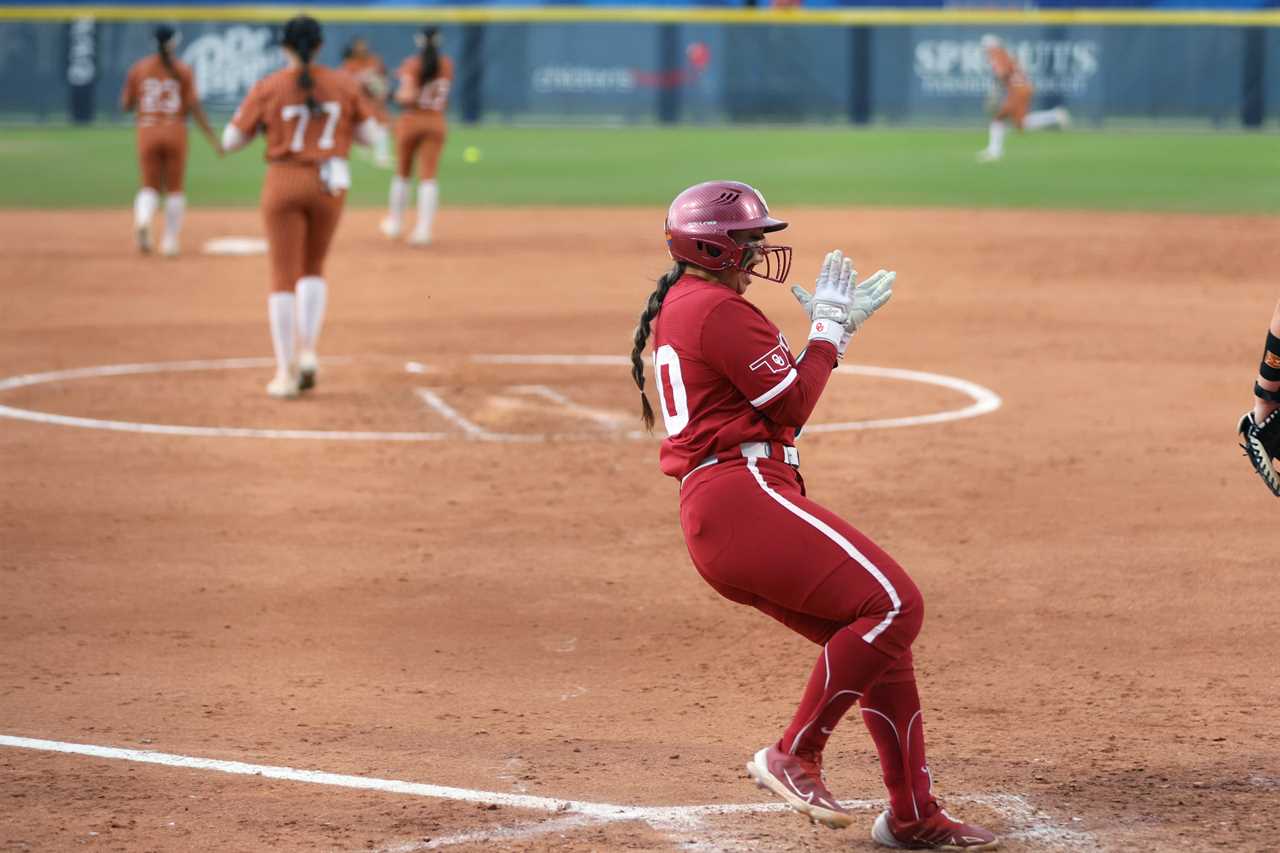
[830, 331]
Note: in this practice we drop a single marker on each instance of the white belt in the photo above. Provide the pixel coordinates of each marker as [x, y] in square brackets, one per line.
[749, 450]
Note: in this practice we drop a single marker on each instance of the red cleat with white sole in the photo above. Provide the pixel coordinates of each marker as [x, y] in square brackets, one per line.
[936, 831]
[799, 782]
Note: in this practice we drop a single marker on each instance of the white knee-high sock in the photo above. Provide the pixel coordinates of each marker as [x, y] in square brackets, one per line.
[280, 308]
[399, 199]
[1042, 119]
[995, 138]
[144, 206]
[175, 205]
[312, 295]
[382, 147]
[428, 198]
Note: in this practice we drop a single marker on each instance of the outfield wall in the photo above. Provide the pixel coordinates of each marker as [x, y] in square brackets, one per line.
[912, 68]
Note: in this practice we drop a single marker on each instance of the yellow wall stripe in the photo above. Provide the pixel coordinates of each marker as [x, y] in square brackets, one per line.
[642, 14]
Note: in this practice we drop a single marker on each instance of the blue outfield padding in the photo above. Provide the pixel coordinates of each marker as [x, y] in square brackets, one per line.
[702, 72]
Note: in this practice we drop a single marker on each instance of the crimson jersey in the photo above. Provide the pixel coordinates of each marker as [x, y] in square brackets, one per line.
[725, 375]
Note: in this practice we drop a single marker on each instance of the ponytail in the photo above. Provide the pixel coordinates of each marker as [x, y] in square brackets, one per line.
[164, 36]
[302, 35]
[429, 57]
[306, 82]
[642, 337]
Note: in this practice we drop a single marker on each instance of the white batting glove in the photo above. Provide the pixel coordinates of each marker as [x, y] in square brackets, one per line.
[868, 297]
[831, 301]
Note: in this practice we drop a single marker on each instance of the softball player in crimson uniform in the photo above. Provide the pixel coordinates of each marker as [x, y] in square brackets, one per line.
[422, 91]
[309, 115]
[733, 398]
[163, 91]
[1017, 100]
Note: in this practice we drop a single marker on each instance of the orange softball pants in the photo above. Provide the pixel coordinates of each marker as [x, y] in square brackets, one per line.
[162, 156]
[421, 133]
[300, 217]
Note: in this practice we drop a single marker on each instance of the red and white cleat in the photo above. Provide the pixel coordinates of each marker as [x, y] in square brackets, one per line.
[799, 782]
[936, 831]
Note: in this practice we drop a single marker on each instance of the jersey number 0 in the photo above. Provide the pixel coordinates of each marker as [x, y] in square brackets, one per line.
[672, 398]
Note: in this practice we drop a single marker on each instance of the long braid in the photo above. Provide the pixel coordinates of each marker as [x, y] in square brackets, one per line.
[429, 57]
[166, 59]
[302, 34]
[164, 36]
[305, 79]
[642, 337]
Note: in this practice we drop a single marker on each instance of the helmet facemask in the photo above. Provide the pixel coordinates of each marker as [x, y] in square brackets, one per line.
[776, 261]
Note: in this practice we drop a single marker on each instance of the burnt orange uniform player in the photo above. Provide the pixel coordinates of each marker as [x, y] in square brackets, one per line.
[367, 69]
[309, 115]
[163, 92]
[422, 91]
[1016, 105]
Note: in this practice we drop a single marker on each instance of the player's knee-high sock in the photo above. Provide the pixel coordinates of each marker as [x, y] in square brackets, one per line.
[312, 297]
[144, 207]
[891, 711]
[280, 312]
[1043, 118]
[382, 148]
[847, 667]
[995, 138]
[428, 197]
[175, 206]
[398, 201]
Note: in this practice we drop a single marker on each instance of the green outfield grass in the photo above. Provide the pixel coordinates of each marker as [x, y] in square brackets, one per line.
[1228, 172]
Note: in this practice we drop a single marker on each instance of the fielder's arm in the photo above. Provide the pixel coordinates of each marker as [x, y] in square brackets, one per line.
[202, 120]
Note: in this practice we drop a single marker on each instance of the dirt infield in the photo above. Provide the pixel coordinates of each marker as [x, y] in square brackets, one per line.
[497, 597]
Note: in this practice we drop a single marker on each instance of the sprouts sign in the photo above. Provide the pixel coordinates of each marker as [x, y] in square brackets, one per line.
[959, 68]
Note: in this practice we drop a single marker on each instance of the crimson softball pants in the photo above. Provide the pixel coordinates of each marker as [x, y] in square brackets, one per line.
[757, 540]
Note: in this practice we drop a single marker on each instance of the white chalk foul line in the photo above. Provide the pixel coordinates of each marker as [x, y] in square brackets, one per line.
[450, 414]
[603, 811]
[1029, 821]
[984, 401]
[179, 429]
[605, 418]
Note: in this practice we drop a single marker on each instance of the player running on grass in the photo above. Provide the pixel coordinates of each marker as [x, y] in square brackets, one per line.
[309, 115]
[1016, 103]
[733, 398]
[422, 91]
[163, 91]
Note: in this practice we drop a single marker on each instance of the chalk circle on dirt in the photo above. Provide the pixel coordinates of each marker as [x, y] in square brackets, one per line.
[235, 246]
[983, 401]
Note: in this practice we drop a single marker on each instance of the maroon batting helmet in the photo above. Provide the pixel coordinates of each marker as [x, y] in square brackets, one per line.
[700, 221]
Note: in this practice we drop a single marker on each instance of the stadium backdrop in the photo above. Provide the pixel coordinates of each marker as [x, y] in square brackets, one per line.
[663, 64]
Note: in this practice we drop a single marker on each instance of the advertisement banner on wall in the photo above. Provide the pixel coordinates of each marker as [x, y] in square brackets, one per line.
[227, 62]
[82, 68]
[958, 67]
